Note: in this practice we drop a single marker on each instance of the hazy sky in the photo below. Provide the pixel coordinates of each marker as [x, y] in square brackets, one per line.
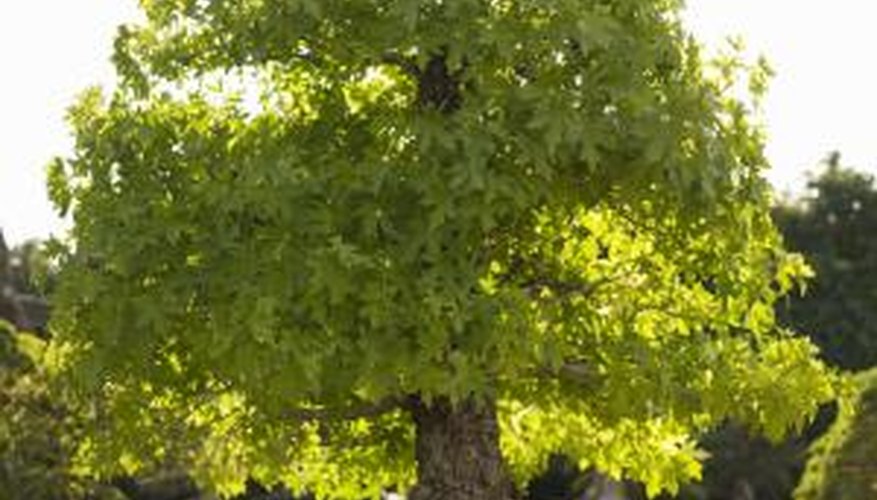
[823, 97]
[49, 51]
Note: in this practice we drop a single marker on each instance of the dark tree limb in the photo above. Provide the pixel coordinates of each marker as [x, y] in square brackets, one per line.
[407, 64]
[575, 371]
[438, 88]
[559, 287]
[566, 288]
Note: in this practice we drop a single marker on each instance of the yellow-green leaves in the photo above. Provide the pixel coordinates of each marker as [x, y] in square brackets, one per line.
[659, 452]
[546, 203]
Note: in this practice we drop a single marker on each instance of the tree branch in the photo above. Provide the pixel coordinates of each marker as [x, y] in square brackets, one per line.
[406, 64]
[351, 412]
[566, 288]
[575, 371]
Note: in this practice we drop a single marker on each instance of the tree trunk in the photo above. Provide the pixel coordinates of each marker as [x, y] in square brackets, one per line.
[457, 452]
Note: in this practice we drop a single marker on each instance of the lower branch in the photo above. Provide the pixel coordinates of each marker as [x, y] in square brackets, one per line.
[351, 412]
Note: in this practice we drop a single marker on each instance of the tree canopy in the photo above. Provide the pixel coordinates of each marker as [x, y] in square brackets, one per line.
[314, 241]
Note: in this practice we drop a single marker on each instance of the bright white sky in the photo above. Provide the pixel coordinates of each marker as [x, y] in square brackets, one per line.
[822, 99]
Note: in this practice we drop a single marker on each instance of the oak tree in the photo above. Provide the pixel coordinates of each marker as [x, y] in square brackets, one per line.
[351, 245]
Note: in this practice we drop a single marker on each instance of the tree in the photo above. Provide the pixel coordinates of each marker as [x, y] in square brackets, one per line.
[746, 466]
[834, 228]
[25, 272]
[440, 243]
[36, 431]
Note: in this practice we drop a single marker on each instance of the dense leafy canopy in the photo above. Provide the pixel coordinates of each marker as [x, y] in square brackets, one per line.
[550, 204]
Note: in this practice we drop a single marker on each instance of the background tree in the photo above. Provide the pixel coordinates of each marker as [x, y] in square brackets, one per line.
[25, 276]
[446, 241]
[745, 466]
[834, 228]
[36, 431]
[31, 461]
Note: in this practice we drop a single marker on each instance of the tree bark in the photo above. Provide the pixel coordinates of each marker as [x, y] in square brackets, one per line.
[457, 452]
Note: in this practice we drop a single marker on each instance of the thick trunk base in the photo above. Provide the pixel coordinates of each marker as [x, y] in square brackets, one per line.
[457, 451]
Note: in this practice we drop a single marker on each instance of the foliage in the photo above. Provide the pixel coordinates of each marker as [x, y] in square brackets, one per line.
[552, 207]
[834, 228]
[841, 465]
[30, 270]
[30, 444]
[36, 433]
[37, 430]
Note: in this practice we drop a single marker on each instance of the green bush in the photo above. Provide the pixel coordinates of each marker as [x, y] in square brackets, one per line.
[843, 463]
